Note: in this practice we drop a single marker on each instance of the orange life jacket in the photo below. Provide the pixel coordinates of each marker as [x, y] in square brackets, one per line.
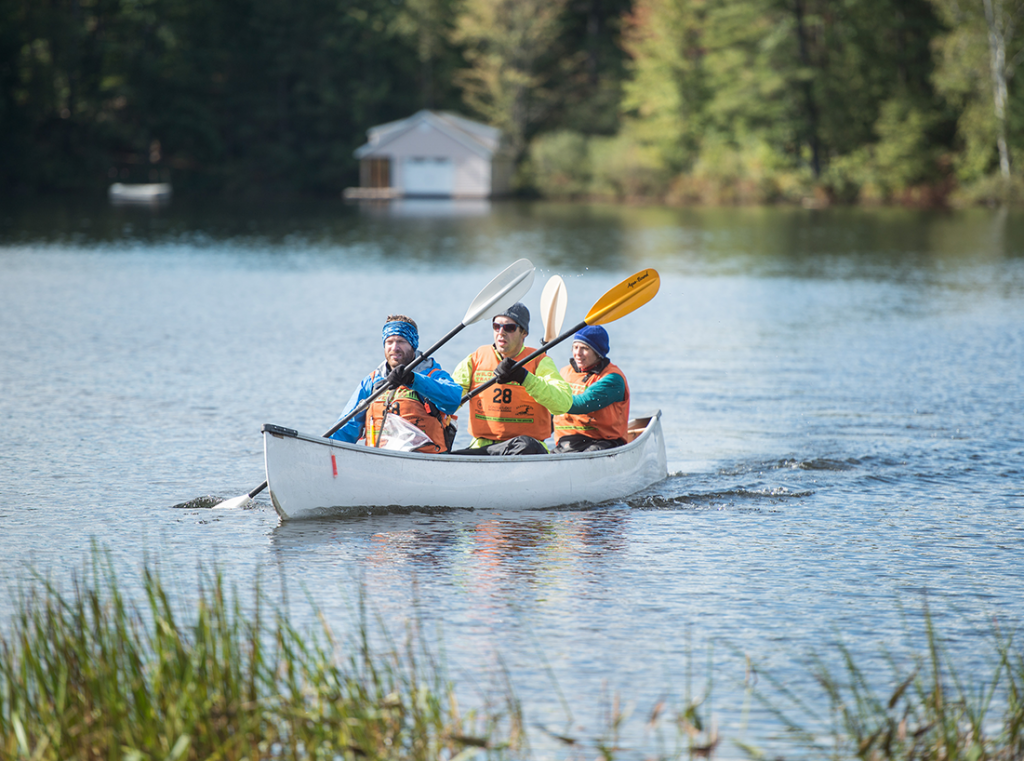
[608, 423]
[407, 404]
[504, 411]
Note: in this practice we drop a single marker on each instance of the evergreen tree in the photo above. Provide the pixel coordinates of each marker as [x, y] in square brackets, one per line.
[428, 25]
[591, 68]
[666, 95]
[235, 96]
[761, 88]
[506, 44]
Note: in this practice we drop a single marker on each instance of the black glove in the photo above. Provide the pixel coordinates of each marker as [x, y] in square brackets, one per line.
[400, 377]
[507, 372]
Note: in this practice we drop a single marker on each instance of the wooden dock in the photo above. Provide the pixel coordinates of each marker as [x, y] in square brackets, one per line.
[372, 194]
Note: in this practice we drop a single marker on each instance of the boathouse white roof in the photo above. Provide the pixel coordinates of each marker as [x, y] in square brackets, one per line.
[434, 153]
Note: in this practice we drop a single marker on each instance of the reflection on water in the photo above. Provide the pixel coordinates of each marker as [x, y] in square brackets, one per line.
[426, 208]
[483, 544]
[806, 243]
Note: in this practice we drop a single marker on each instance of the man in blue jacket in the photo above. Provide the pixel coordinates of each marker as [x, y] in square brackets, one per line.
[423, 398]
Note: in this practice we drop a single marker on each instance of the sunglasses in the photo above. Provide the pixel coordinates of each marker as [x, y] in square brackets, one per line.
[508, 327]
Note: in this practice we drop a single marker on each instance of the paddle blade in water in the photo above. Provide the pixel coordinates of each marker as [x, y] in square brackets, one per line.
[505, 290]
[629, 295]
[233, 503]
[553, 300]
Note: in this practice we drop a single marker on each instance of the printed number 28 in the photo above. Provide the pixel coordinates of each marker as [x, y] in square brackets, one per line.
[502, 396]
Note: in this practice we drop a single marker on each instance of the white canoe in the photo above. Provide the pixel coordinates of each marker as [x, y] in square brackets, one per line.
[310, 476]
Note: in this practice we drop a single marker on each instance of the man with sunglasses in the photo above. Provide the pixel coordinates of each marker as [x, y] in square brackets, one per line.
[514, 415]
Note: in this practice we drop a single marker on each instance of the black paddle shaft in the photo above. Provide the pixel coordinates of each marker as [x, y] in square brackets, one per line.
[369, 400]
[524, 360]
[410, 367]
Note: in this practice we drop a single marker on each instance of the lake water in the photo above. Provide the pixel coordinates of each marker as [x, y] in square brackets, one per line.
[842, 395]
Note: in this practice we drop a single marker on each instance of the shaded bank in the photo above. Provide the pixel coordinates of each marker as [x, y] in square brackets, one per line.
[874, 101]
[570, 166]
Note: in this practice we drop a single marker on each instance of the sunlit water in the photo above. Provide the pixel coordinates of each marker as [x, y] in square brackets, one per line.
[843, 410]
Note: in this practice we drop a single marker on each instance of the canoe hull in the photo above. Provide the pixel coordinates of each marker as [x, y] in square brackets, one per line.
[309, 476]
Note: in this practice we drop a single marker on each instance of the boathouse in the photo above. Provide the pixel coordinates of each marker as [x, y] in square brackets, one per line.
[432, 154]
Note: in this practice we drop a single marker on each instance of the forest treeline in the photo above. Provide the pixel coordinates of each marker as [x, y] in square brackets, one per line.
[684, 101]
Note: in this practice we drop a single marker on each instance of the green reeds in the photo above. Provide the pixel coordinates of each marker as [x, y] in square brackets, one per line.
[91, 676]
[929, 712]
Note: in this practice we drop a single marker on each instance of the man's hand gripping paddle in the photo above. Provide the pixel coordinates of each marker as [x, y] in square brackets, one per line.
[628, 296]
[498, 295]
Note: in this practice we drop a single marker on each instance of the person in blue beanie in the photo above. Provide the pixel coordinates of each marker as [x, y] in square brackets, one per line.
[599, 415]
[426, 397]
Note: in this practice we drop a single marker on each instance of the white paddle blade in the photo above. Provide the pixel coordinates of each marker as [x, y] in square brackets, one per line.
[232, 504]
[505, 290]
[553, 300]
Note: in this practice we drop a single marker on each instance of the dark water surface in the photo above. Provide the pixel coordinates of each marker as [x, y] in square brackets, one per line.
[843, 398]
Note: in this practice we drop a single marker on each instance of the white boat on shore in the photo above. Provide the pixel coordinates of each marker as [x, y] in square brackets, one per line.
[140, 193]
[310, 476]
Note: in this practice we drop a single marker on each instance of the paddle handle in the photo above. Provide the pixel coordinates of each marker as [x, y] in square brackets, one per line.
[533, 355]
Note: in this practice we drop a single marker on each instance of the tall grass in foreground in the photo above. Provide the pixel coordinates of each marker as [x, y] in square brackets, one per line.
[929, 712]
[90, 676]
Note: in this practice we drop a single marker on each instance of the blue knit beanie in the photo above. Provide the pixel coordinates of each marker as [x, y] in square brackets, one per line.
[406, 330]
[595, 337]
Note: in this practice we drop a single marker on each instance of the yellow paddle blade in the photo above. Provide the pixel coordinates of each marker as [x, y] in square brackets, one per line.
[632, 293]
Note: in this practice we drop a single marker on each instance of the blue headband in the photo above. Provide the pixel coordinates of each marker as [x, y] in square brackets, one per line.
[404, 329]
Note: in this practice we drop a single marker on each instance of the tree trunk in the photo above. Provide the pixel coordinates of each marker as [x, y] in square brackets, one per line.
[808, 88]
[997, 63]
